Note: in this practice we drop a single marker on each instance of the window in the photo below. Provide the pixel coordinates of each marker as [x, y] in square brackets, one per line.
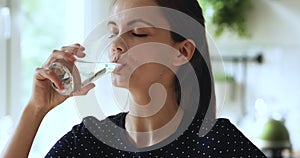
[9, 66]
[49, 25]
[37, 27]
[4, 36]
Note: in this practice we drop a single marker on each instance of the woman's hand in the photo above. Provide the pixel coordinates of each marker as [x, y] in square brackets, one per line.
[44, 97]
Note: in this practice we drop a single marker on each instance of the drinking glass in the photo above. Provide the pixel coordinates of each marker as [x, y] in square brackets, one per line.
[79, 74]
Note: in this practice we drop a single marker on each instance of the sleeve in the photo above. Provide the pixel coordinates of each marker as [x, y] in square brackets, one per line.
[69, 144]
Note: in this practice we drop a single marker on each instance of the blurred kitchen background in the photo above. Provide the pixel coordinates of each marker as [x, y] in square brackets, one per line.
[255, 60]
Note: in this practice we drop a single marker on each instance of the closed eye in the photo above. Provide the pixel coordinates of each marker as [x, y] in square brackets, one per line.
[139, 35]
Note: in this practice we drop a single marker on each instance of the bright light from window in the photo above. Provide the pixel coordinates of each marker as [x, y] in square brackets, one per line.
[48, 25]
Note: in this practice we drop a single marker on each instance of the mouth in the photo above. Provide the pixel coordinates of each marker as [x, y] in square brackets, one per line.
[119, 68]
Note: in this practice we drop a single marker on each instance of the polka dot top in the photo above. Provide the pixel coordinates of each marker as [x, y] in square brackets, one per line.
[107, 138]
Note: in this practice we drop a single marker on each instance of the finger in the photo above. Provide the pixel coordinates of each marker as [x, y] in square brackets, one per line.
[84, 90]
[59, 54]
[67, 53]
[43, 74]
[75, 49]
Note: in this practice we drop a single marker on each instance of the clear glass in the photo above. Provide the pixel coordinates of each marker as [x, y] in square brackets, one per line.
[79, 74]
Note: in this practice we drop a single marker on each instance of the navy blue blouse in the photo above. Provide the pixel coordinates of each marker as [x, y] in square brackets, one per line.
[107, 138]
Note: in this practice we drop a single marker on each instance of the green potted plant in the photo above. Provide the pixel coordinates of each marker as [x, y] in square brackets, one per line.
[227, 15]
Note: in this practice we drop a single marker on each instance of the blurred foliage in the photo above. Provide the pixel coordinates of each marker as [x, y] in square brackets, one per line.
[222, 77]
[227, 15]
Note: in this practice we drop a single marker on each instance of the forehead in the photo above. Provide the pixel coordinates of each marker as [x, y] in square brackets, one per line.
[125, 11]
[122, 5]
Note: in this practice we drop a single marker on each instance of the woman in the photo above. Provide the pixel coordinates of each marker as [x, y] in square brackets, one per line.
[171, 105]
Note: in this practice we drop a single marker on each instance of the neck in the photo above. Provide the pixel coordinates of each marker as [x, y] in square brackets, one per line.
[151, 123]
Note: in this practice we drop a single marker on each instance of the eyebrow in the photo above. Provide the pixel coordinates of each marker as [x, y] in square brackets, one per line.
[139, 20]
[111, 23]
[132, 22]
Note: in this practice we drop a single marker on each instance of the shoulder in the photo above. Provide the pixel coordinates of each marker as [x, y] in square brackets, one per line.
[91, 125]
[228, 139]
[225, 124]
[227, 129]
[224, 129]
[91, 134]
[99, 128]
[90, 121]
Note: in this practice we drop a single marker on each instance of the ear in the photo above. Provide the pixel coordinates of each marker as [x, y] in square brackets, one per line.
[186, 50]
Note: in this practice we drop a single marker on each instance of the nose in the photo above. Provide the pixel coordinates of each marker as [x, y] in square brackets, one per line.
[118, 47]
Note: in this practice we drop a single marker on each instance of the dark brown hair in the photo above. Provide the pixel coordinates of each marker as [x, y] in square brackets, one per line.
[184, 89]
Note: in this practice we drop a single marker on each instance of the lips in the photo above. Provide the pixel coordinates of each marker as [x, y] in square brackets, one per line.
[119, 68]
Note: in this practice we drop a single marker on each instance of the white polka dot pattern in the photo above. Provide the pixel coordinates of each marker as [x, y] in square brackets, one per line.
[222, 140]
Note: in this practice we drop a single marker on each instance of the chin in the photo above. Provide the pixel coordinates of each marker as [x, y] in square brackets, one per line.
[119, 81]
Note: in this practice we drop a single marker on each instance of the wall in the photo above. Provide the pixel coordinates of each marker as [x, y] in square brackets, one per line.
[274, 27]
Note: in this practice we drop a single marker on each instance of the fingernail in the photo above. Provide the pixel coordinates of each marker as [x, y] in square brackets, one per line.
[81, 53]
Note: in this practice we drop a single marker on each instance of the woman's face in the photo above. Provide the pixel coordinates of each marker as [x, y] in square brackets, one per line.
[144, 51]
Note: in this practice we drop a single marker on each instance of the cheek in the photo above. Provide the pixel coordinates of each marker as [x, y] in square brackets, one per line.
[141, 77]
[120, 81]
[147, 74]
